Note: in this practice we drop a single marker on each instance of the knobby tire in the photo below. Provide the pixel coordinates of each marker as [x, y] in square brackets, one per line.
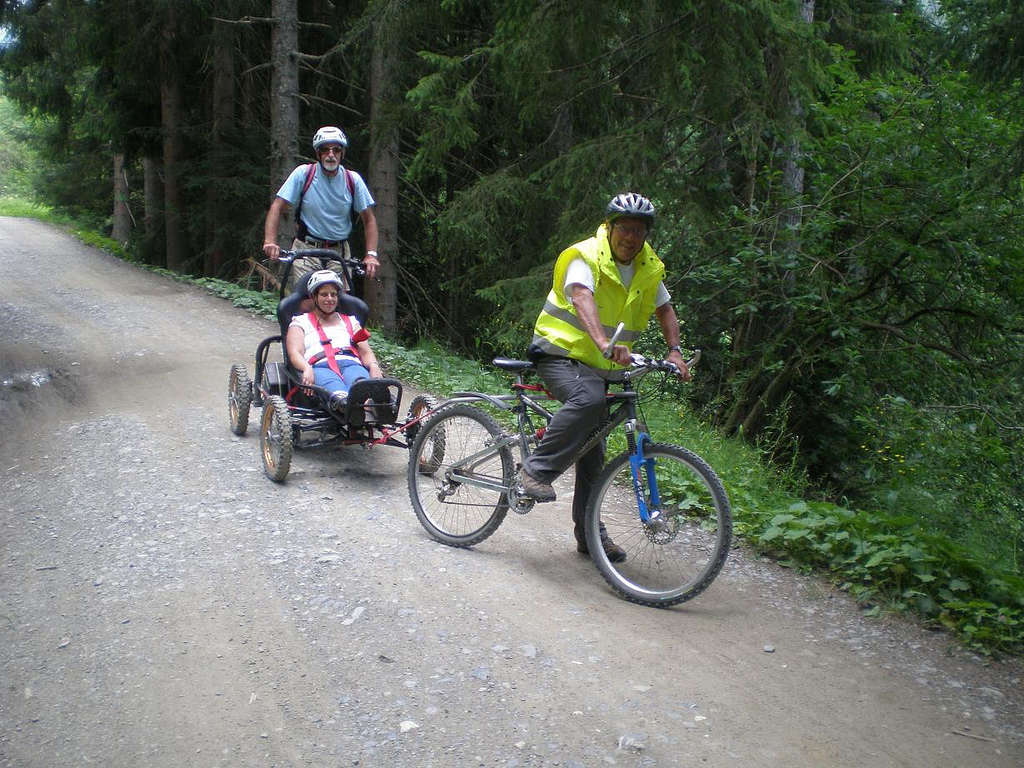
[456, 513]
[674, 561]
[276, 438]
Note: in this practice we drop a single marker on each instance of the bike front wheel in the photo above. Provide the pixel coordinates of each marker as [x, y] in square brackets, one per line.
[676, 554]
[458, 475]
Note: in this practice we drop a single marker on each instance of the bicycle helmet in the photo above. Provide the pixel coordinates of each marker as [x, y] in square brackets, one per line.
[323, 277]
[329, 134]
[631, 204]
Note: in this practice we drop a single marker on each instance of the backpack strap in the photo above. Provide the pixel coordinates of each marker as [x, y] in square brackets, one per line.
[310, 173]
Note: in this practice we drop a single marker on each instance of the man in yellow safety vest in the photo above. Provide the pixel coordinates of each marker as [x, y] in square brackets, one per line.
[612, 277]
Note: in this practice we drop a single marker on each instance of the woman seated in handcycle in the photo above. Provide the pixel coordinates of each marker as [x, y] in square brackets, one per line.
[329, 349]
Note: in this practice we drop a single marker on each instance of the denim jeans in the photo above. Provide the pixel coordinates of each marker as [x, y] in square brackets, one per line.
[351, 372]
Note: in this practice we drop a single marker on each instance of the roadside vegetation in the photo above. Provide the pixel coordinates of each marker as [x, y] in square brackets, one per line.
[887, 562]
[841, 216]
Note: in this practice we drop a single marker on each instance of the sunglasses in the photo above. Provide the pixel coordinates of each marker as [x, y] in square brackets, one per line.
[634, 231]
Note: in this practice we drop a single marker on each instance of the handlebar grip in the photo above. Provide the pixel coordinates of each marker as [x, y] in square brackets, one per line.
[607, 354]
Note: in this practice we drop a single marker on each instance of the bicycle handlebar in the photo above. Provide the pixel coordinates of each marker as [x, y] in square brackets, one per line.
[641, 364]
[323, 253]
[644, 365]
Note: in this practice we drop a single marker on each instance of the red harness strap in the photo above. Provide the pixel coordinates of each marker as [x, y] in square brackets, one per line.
[329, 351]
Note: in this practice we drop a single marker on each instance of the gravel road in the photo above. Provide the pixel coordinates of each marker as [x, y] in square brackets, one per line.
[163, 604]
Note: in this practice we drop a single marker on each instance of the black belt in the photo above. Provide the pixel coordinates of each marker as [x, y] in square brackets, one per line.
[322, 243]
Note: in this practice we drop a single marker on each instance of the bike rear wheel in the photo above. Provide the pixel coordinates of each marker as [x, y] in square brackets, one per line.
[675, 556]
[452, 454]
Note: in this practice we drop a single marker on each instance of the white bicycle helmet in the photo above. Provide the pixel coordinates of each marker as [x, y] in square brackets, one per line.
[329, 134]
[322, 277]
[631, 204]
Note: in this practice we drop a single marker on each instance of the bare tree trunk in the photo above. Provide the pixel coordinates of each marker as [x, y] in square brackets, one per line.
[223, 109]
[284, 98]
[383, 176]
[122, 229]
[153, 219]
[762, 391]
[174, 152]
[792, 167]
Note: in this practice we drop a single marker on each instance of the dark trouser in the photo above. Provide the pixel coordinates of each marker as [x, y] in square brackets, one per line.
[582, 393]
[303, 265]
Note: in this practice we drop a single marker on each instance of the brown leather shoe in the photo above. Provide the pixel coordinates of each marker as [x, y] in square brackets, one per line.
[615, 553]
[535, 489]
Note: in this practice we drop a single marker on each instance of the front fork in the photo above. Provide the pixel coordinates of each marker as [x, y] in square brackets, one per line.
[642, 467]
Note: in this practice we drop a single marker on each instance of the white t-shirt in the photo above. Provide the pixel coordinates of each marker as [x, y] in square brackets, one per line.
[579, 272]
[337, 334]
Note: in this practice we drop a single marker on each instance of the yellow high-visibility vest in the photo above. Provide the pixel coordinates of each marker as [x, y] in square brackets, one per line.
[558, 330]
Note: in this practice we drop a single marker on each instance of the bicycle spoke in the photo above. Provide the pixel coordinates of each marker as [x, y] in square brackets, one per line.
[458, 477]
[679, 552]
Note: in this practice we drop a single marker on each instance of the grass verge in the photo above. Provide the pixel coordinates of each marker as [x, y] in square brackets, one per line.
[883, 560]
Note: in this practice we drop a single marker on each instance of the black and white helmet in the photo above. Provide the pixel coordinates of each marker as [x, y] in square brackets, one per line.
[329, 134]
[322, 277]
[630, 204]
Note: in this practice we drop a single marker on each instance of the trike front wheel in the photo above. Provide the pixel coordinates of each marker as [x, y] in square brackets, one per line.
[676, 554]
[458, 476]
[276, 438]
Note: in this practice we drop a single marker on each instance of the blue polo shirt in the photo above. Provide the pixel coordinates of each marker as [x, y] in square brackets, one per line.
[327, 206]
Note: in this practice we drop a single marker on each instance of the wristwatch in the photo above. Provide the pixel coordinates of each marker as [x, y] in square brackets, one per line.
[676, 348]
[371, 253]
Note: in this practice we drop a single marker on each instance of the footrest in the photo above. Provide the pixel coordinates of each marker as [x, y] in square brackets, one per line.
[374, 401]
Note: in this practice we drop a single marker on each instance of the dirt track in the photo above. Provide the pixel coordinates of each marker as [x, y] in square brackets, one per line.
[163, 604]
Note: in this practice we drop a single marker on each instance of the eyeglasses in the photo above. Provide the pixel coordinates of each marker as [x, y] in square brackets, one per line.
[331, 150]
[634, 231]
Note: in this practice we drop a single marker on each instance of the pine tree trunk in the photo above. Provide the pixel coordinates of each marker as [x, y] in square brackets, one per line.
[218, 252]
[382, 296]
[153, 219]
[284, 98]
[761, 394]
[122, 229]
[174, 152]
[792, 167]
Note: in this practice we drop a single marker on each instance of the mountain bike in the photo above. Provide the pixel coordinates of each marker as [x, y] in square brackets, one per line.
[662, 503]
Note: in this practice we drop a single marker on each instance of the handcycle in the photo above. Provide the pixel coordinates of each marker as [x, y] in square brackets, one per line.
[296, 416]
[662, 503]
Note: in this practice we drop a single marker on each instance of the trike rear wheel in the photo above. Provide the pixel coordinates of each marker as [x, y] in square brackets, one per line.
[457, 479]
[679, 552]
[420, 406]
[239, 399]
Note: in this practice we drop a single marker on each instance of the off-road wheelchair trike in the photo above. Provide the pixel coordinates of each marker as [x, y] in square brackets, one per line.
[297, 417]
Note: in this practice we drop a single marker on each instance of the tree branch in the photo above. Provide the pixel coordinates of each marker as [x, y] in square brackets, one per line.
[954, 353]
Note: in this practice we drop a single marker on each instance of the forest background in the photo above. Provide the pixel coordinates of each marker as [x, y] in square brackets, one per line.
[839, 186]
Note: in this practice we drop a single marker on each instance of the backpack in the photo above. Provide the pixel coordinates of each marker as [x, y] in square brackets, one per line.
[300, 225]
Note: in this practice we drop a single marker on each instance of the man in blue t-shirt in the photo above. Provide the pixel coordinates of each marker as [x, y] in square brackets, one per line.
[325, 209]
